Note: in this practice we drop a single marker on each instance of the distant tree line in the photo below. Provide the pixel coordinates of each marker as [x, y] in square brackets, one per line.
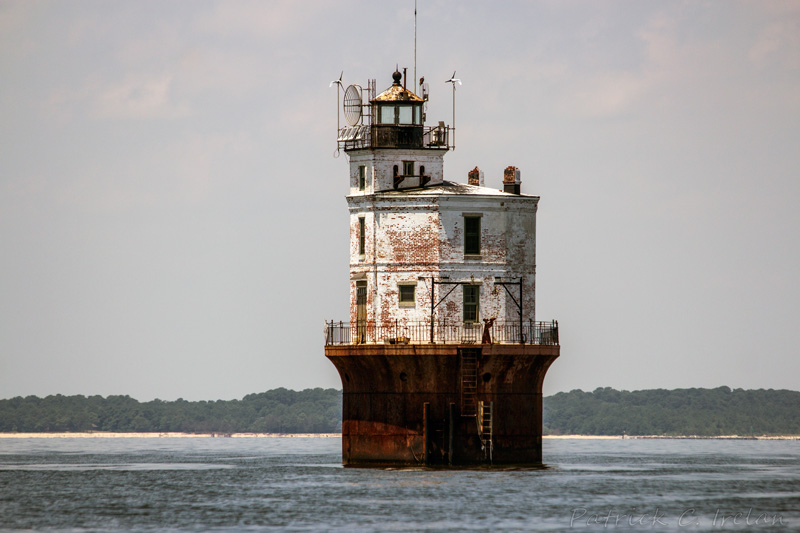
[275, 411]
[702, 412]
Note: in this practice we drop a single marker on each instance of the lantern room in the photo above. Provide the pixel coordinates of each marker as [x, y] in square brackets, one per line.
[398, 117]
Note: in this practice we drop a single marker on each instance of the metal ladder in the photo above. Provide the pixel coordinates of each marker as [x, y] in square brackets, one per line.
[469, 381]
[485, 416]
[470, 406]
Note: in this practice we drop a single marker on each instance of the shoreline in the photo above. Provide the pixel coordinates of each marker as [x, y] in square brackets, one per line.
[676, 437]
[178, 435]
[162, 435]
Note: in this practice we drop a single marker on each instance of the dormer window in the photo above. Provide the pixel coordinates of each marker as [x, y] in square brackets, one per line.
[408, 168]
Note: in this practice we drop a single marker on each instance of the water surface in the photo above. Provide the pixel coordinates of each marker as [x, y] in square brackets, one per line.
[298, 484]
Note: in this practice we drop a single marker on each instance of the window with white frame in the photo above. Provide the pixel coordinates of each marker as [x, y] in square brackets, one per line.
[406, 294]
[472, 235]
[472, 296]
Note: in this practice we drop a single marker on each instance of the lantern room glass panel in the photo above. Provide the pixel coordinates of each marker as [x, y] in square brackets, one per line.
[406, 114]
[386, 114]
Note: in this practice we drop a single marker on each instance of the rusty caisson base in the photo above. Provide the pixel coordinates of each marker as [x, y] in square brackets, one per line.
[417, 404]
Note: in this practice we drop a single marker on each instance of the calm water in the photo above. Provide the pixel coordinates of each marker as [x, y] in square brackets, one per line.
[299, 485]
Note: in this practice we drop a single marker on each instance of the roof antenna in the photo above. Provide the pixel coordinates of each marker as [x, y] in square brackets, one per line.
[415, 46]
[453, 80]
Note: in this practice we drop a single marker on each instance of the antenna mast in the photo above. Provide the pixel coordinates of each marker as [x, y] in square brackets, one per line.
[453, 80]
[415, 46]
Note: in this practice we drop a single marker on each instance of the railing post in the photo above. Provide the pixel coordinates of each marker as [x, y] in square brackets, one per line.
[432, 286]
[521, 335]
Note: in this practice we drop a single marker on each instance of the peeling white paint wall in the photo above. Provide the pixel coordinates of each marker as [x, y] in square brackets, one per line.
[380, 164]
[419, 233]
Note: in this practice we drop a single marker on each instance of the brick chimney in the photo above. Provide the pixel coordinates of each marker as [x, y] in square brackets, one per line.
[475, 177]
[511, 180]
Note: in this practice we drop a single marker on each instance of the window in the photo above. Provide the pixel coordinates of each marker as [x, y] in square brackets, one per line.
[472, 295]
[405, 114]
[408, 168]
[472, 235]
[406, 297]
[362, 177]
[361, 236]
[387, 114]
[422, 170]
[361, 312]
[400, 114]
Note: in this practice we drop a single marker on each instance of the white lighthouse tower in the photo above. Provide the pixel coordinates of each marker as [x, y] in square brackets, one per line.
[441, 351]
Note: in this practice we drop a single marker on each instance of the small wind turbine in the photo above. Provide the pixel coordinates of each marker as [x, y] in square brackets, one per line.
[453, 80]
[339, 81]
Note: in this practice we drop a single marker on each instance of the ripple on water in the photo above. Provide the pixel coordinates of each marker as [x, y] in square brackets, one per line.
[300, 485]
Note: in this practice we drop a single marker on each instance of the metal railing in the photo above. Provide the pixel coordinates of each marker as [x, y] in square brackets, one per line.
[362, 136]
[437, 137]
[406, 332]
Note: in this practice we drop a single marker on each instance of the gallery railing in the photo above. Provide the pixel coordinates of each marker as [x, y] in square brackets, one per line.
[365, 136]
[405, 332]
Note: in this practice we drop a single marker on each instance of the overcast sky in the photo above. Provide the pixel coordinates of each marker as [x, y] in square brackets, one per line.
[173, 222]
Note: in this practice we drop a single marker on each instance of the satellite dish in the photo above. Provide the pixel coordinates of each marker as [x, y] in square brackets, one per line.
[352, 104]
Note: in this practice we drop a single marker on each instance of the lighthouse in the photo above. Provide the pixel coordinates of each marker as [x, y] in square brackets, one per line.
[442, 359]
